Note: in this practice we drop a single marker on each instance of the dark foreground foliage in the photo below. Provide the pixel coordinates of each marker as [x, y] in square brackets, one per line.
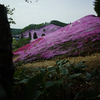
[64, 81]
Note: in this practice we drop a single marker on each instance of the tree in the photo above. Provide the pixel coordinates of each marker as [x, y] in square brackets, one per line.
[30, 35]
[97, 7]
[43, 30]
[43, 34]
[10, 12]
[22, 36]
[6, 63]
[35, 35]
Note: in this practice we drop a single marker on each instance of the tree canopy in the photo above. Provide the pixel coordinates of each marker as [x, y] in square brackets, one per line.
[97, 7]
[10, 12]
[58, 23]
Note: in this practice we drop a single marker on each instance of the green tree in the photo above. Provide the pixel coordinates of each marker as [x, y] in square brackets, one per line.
[58, 23]
[35, 35]
[43, 34]
[22, 36]
[30, 35]
[97, 7]
[10, 12]
[6, 63]
[43, 30]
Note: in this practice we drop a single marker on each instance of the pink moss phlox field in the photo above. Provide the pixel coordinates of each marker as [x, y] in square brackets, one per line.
[48, 29]
[78, 33]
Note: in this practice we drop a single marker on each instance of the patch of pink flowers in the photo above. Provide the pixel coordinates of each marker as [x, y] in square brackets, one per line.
[48, 29]
[84, 30]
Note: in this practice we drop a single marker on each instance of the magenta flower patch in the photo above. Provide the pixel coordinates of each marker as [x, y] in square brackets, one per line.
[71, 40]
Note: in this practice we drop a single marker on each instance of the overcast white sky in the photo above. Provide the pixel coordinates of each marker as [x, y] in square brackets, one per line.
[46, 10]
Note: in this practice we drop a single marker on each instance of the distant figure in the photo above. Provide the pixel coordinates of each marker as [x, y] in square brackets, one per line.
[35, 36]
[17, 38]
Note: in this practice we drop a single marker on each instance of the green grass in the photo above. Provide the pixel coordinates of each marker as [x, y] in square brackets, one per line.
[14, 42]
[20, 43]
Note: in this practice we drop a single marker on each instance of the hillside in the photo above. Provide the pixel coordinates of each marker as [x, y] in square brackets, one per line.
[79, 38]
[41, 25]
[44, 30]
[15, 31]
[58, 23]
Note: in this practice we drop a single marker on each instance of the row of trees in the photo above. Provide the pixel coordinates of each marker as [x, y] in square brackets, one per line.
[30, 36]
[58, 23]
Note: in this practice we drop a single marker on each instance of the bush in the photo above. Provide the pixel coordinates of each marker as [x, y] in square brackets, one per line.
[29, 35]
[35, 35]
[22, 42]
[43, 30]
[43, 34]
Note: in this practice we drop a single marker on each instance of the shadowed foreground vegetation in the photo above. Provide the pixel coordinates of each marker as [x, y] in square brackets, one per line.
[62, 77]
[59, 78]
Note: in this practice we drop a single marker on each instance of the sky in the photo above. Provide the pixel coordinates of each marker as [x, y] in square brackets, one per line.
[46, 10]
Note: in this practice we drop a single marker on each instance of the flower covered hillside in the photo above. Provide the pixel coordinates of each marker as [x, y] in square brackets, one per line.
[78, 38]
[44, 30]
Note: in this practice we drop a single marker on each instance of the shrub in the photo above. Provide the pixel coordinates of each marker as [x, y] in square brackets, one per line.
[22, 42]
[22, 36]
[43, 30]
[43, 34]
[35, 35]
[29, 35]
